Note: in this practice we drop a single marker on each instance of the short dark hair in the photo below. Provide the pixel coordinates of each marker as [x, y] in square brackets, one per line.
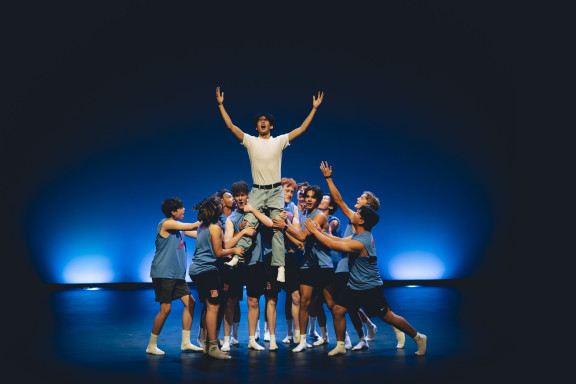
[266, 115]
[334, 208]
[209, 210]
[171, 204]
[222, 192]
[317, 192]
[369, 216]
[239, 187]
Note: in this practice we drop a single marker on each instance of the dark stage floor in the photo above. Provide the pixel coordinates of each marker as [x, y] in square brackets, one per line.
[100, 335]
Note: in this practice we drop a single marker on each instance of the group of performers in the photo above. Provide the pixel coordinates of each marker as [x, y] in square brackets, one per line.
[259, 239]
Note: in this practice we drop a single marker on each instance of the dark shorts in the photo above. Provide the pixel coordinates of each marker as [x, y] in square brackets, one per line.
[340, 283]
[209, 285]
[233, 280]
[255, 280]
[271, 284]
[371, 300]
[292, 282]
[317, 277]
[168, 290]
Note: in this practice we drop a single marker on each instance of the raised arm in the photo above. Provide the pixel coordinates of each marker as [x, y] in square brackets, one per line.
[231, 238]
[327, 172]
[216, 240]
[349, 245]
[300, 130]
[234, 129]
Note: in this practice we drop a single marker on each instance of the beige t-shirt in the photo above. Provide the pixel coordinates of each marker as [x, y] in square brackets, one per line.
[265, 157]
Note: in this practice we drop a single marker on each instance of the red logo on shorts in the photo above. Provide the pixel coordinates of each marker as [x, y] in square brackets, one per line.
[225, 287]
[268, 285]
[214, 293]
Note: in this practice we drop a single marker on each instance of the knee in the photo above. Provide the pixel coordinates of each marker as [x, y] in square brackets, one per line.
[165, 310]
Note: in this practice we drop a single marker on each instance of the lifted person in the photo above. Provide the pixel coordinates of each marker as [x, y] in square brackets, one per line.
[265, 153]
[365, 286]
[168, 273]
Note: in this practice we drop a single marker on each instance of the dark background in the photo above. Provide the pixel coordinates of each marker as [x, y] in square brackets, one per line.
[111, 108]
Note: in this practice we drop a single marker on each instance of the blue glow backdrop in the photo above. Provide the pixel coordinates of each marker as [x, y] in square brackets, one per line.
[121, 104]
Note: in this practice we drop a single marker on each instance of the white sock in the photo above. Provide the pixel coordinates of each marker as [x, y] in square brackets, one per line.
[420, 340]
[226, 344]
[273, 346]
[362, 344]
[400, 337]
[252, 344]
[297, 336]
[186, 344]
[213, 351]
[371, 328]
[347, 341]
[153, 346]
[301, 346]
[339, 350]
[257, 334]
[266, 327]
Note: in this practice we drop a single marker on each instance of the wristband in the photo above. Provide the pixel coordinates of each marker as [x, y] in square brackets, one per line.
[327, 177]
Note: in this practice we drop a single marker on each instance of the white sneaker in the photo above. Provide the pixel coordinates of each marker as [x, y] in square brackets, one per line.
[420, 340]
[190, 347]
[287, 339]
[234, 341]
[281, 274]
[225, 347]
[233, 262]
[267, 335]
[320, 341]
[362, 344]
[347, 342]
[371, 331]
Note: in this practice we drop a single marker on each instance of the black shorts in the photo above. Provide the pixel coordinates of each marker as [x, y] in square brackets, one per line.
[233, 280]
[317, 277]
[292, 282]
[209, 285]
[168, 290]
[372, 300]
[340, 282]
[271, 284]
[255, 280]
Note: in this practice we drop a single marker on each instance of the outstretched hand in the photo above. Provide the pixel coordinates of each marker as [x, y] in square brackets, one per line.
[315, 101]
[326, 170]
[312, 226]
[219, 96]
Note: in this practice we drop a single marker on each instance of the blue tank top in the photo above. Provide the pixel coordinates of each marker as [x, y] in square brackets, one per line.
[364, 270]
[253, 254]
[316, 254]
[336, 257]
[290, 208]
[170, 257]
[204, 259]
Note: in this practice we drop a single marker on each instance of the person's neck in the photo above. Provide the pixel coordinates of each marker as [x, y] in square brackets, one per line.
[226, 211]
[265, 137]
[358, 229]
[325, 211]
